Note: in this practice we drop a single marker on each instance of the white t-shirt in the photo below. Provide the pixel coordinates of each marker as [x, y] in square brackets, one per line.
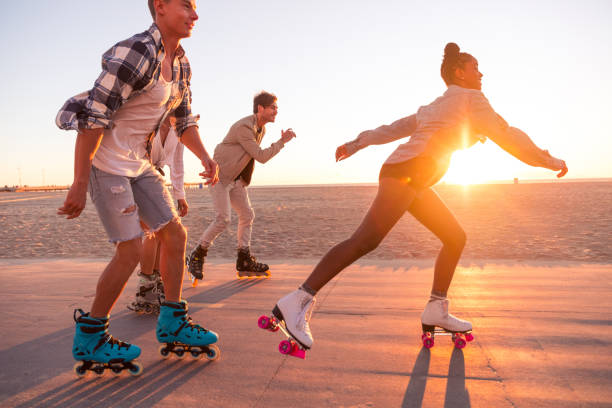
[123, 148]
[171, 155]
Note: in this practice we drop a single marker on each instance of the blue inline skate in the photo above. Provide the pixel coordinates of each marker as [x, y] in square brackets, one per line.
[96, 350]
[180, 335]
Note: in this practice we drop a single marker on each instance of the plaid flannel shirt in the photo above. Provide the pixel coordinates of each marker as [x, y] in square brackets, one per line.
[130, 67]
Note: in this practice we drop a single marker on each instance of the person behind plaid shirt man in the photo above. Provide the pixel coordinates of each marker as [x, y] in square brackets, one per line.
[144, 79]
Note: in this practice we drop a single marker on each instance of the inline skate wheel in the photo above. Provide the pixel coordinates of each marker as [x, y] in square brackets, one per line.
[99, 370]
[180, 353]
[116, 370]
[213, 353]
[136, 368]
[285, 347]
[196, 354]
[263, 322]
[163, 350]
[79, 370]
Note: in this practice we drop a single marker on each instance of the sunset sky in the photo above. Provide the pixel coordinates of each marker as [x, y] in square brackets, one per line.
[337, 66]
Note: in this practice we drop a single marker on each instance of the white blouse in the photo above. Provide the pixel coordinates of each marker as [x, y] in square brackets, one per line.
[456, 120]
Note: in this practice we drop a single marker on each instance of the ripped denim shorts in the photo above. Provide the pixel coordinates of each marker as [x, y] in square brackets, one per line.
[122, 202]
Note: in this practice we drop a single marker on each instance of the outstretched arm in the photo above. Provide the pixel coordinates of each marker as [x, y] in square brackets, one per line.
[384, 134]
[516, 142]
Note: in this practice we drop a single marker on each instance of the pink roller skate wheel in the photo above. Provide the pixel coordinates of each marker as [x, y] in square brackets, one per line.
[469, 337]
[263, 322]
[428, 342]
[460, 343]
[285, 347]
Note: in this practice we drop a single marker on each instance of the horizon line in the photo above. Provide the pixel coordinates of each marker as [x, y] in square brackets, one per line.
[192, 185]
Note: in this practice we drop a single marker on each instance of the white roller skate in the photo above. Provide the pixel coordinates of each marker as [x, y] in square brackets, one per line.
[150, 294]
[292, 315]
[435, 319]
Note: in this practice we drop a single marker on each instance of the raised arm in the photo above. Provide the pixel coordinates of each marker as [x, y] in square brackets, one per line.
[516, 142]
[246, 140]
[381, 135]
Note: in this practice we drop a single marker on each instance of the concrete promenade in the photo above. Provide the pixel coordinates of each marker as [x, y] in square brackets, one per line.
[543, 338]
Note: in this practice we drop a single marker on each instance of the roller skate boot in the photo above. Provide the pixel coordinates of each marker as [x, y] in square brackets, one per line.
[435, 319]
[292, 316]
[248, 267]
[195, 264]
[150, 294]
[96, 350]
[180, 335]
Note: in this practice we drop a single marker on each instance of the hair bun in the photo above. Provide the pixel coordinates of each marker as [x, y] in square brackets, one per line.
[451, 49]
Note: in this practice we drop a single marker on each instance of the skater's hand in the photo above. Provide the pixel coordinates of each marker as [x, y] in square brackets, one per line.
[342, 153]
[287, 135]
[563, 170]
[558, 164]
[75, 201]
[182, 207]
[211, 171]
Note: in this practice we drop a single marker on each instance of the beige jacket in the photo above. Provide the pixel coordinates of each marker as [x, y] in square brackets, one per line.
[240, 146]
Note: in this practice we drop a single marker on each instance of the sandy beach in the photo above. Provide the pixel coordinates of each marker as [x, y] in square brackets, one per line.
[548, 221]
[534, 281]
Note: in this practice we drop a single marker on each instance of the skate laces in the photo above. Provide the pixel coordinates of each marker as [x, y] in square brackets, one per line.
[189, 324]
[109, 339]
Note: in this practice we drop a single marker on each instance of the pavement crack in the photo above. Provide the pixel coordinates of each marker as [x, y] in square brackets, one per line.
[263, 392]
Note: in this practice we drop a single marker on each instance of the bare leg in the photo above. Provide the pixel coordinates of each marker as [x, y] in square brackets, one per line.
[392, 200]
[149, 254]
[115, 276]
[431, 211]
[173, 239]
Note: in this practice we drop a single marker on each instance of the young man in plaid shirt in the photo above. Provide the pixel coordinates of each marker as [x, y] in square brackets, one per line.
[144, 79]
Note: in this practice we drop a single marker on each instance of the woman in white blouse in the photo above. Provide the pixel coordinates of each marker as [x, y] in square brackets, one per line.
[166, 150]
[457, 119]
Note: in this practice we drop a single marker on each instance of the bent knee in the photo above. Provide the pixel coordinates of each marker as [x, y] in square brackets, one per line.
[457, 241]
[129, 251]
[174, 231]
[221, 221]
[365, 244]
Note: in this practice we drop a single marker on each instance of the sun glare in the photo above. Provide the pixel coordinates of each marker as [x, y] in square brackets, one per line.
[470, 166]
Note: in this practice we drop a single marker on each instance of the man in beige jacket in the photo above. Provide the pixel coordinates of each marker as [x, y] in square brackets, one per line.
[236, 156]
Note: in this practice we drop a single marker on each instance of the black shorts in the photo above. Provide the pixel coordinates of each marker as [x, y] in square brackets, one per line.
[420, 172]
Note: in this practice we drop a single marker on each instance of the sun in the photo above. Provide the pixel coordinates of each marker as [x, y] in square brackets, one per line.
[477, 165]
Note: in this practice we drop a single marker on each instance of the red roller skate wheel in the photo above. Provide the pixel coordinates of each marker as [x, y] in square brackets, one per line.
[285, 347]
[469, 336]
[460, 342]
[263, 322]
[428, 341]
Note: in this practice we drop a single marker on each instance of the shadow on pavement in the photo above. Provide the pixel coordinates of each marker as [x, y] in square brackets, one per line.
[159, 381]
[223, 291]
[33, 362]
[457, 396]
[418, 380]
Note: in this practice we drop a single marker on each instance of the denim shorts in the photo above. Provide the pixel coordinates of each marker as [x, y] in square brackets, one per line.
[122, 202]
